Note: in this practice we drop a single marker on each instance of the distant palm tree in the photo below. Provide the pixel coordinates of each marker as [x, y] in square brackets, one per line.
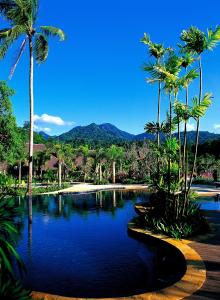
[114, 154]
[62, 152]
[196, 42]
[22, 16]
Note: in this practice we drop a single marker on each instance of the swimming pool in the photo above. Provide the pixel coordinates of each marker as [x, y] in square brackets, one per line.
[79, 246]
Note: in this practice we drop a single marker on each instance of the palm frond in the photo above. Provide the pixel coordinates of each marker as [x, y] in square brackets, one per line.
[41, 48]
[53, 31]
[194, 40]
[21, 50]
[8, 36]
[189, 77]
[199, 109]
[213, 38]
[146, 39]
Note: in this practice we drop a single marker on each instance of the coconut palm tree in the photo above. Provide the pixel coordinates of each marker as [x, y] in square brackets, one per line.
[22, 16]
[197, 42]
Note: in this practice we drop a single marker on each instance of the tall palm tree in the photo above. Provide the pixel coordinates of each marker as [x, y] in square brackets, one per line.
[187, 60]
[157, 51]
[197, 42]
[22, 16]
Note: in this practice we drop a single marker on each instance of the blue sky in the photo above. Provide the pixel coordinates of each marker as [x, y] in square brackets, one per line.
[96, 75]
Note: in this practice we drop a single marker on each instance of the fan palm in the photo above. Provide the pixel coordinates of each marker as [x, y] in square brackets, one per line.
[22, 16]
[196, 42]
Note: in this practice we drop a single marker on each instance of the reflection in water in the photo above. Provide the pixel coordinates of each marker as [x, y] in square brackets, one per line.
[30, 210]
[80, 246]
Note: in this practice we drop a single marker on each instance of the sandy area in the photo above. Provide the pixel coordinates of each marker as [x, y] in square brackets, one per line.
[86, 187]
[202, 190]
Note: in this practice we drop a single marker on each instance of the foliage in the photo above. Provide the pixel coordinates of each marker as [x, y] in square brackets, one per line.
[10, 139]
[9, 287]
[186, 225]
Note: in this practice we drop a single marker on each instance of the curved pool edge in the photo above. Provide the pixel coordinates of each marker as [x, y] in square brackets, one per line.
[191, 281]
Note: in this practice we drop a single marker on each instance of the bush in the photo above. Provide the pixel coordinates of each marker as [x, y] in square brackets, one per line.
[103, 181]
[165, 221]
[9, 287]
[202, 180]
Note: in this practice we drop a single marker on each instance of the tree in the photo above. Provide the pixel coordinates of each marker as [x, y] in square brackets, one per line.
[197, 42]
[10, 138]
[114, 153]
[22, 16]
[100, 155]
[40, 159]
[62, 152]
[158, 52]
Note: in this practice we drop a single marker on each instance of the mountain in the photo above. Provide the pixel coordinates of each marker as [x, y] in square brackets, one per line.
[111, 134]
[44, 135]
[104, 132]
[204, 136]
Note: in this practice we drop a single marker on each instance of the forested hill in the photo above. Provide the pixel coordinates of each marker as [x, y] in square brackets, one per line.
[111, 134]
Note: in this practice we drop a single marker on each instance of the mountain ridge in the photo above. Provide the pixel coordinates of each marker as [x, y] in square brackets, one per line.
[108, 132]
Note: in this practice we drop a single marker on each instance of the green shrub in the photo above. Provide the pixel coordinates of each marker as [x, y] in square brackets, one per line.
[9, 287]
[103, 181]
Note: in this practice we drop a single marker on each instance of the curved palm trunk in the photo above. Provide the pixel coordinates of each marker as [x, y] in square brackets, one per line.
[197, 127]
[113, 172]
[31, 132]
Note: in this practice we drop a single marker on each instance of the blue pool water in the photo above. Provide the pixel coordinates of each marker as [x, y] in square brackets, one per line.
[79, 245]
[209, 203]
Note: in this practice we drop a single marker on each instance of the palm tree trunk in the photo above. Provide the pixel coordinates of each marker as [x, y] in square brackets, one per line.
[158, 124]
[185, 164]
[59, 174]
[19, 174]
[158, 114]
[170, 101]
[197, 127]
[100, 172]
[170, 134]
[113, 172]
[180, 153]
[31, 132]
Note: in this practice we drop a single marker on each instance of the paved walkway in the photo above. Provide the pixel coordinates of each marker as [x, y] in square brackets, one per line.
[210, 253]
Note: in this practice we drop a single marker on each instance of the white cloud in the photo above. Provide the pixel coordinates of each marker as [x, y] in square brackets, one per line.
[216, 126]
[55, 120]
[45, 129]
[189, 126]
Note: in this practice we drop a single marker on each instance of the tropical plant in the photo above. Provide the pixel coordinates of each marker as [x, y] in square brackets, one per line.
[197, 42]
[114, 153]
[10, 288]
[22, 16]
[62, 152]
